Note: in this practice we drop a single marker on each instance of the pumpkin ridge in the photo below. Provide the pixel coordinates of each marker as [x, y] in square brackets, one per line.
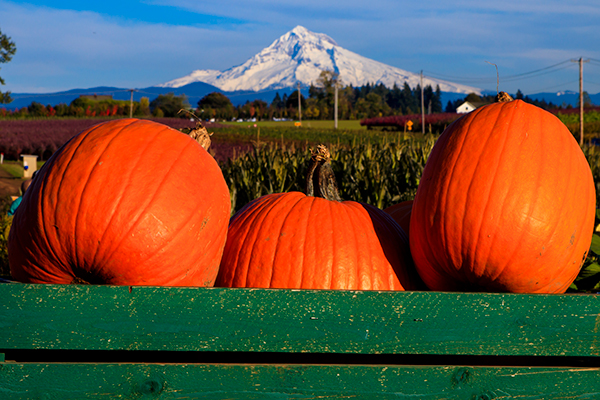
[48, 248]
[509, 189]
[509, 260]
[248, 224]
[447, 198]
[308, 273]
[570, 187]
[140, 211]
[80, 261]
[338, 210]
[426, 196]
[117, 206]
[368, 249]
[571, 183]
[531, 206]
[149, 200]
[405, 276]
[277, 250]
[489, 195]
[42, 247]
[63, 262]
[560, 210]
[365, 255]
[272, 207]
[245, 226]
[176, 232]
[470, 256]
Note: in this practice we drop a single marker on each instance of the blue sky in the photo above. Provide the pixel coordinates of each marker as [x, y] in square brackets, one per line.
[64, 45]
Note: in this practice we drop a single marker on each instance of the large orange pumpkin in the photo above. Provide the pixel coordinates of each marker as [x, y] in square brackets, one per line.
[506, 203]
[316, 241]
[126, 202]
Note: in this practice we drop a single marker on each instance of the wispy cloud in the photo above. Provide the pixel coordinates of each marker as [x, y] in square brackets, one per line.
[146, 42]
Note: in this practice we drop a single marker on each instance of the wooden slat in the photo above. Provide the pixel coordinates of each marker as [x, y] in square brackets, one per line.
[80, 381]
[80, 317]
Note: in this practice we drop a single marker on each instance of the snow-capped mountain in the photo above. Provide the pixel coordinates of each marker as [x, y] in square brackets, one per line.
[300, 56]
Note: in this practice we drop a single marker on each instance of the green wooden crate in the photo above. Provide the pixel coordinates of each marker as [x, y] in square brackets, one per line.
[75, 341]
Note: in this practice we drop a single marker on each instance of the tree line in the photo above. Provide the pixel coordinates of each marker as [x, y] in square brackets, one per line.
[353, 103]
[366, 101]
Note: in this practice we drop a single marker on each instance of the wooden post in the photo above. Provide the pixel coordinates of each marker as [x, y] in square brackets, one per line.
[299, 104]
[580, 101]
[335, 106]
[422, 107]
[580, 61]
[131, 104]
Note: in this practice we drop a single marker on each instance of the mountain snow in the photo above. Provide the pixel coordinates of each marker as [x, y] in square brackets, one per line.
[299, 56]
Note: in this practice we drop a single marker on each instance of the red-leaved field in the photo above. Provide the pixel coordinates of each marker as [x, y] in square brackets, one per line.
[44, 137]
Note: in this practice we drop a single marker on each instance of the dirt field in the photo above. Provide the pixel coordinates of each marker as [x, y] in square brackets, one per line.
[9, 185]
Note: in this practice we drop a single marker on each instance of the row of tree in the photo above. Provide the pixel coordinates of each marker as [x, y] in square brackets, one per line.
[352, 102]
[368, 101]
[162, 106]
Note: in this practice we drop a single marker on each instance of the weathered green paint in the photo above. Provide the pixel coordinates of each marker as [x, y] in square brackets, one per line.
[81, 341]
[78, 381]
[254, 320]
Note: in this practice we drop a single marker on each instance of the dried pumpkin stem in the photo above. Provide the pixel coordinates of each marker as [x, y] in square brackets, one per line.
[201, 135]
[320, 180]
[502, 97]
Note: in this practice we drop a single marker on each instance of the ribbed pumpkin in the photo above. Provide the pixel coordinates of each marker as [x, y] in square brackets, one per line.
[126, 202]
[316, 241]
[401, 213]
[506, 203]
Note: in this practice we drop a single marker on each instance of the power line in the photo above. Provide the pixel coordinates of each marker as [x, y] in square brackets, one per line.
[525, 75]
[554, 86]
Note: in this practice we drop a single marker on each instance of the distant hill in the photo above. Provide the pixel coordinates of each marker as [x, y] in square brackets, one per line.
[197, 90]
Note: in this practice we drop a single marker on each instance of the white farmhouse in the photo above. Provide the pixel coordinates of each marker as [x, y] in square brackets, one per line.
[469, 106]
[465, 107]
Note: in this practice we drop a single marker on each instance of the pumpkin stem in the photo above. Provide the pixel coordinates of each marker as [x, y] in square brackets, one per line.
[199, 132]
[320, 181]
[502, 97]
[78, 281]
[201, 135]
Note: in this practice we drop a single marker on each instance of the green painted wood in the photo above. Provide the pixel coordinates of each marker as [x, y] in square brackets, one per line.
[82, 317]
[129, 381]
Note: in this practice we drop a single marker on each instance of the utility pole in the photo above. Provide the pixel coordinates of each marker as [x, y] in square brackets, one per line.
[131, 104]
[335, 104]
[580, 61]
[422, 106]
[299, 105]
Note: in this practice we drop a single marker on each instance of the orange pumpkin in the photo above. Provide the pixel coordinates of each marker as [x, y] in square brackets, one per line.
[506, 203]
[316, 241]
[126, 202]
[401, 214]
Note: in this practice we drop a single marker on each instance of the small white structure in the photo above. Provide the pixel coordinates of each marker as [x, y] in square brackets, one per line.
[469, 106]
[465, 107]
[29, 165]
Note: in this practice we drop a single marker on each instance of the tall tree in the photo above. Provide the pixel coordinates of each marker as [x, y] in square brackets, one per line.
[215, 105]
[7, 51]
[169, 104]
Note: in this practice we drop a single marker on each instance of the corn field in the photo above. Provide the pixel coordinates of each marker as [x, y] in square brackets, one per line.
[381, 174]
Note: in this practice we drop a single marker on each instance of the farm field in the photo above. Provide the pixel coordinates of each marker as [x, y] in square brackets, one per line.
[315, 124]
